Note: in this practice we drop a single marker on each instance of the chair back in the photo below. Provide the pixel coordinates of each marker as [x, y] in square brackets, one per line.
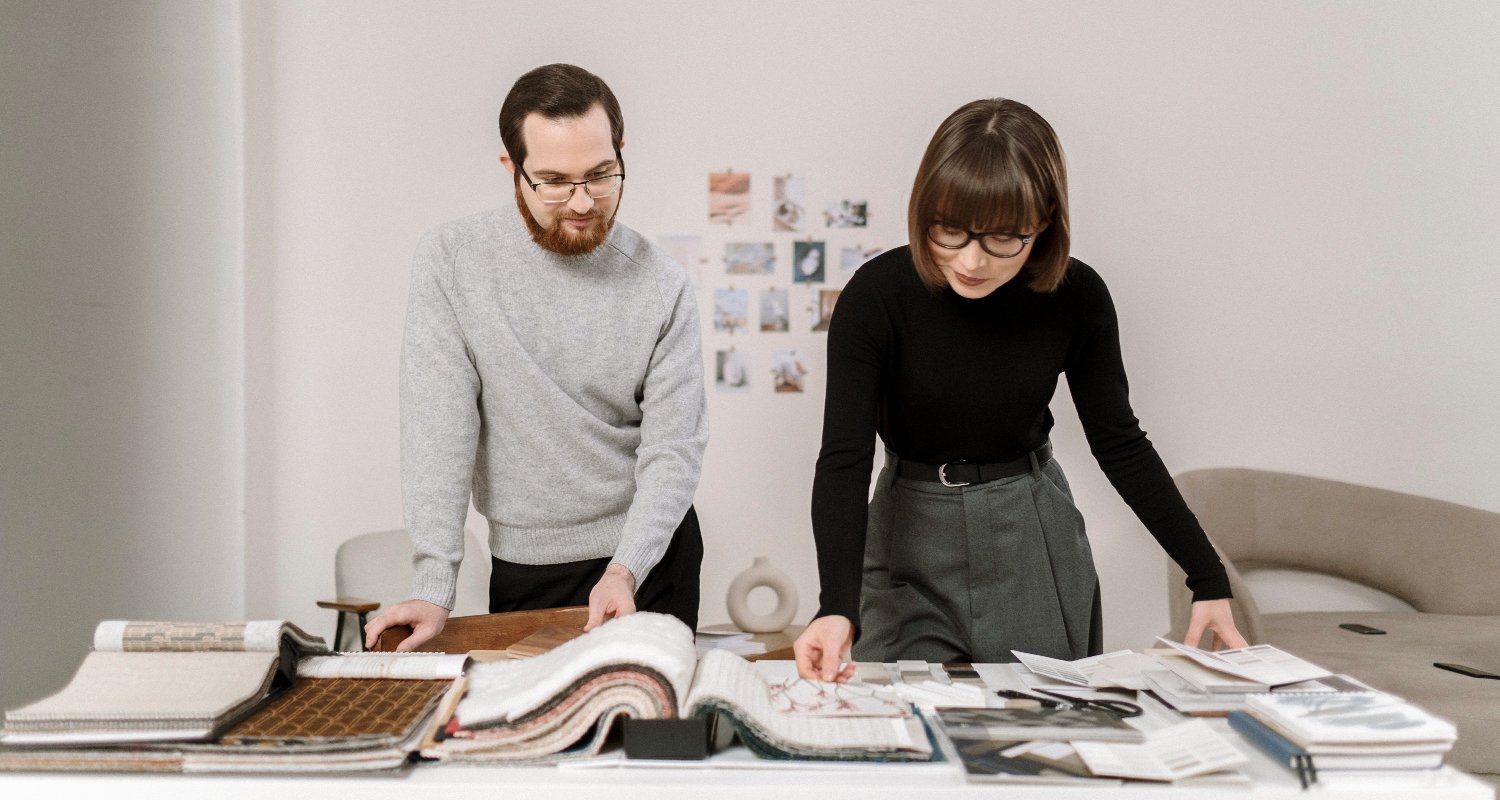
[1434, 555]
[377, 566]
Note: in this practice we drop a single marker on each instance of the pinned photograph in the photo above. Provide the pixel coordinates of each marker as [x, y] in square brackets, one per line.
[852, 258]
[749, 258]
[827, 299]
[807, 262]
[731, 310]
[789, 201]
[728, 196]
[732, 372]
[775, 311]
[787, 371]
[846, 214]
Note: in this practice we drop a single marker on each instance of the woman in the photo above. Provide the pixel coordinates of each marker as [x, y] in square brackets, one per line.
[950, 350]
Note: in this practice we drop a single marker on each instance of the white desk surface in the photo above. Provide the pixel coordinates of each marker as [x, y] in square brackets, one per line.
[735, 775]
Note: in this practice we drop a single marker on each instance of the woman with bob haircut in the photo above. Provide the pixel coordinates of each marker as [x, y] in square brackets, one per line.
[950, 349]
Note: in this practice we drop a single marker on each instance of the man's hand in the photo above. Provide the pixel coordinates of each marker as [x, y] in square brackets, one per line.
[613, 596]
[822, 651]
[1215, 616]
[426, 621]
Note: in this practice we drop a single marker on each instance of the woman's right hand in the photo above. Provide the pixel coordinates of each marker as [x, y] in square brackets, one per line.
[822, 651]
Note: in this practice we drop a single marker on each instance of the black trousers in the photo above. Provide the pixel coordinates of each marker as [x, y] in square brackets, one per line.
[670, 588]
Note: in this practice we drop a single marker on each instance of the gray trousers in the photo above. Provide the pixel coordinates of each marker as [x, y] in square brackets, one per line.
[971, 573]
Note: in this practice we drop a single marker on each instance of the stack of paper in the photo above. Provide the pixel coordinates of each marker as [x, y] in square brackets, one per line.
[741, 644]
[1356, 730]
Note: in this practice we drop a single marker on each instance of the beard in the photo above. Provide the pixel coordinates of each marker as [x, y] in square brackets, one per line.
[561, 238]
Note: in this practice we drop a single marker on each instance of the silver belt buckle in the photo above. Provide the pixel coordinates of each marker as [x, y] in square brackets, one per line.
[943, 476]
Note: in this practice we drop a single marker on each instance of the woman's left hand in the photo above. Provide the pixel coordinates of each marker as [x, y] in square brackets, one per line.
[1213, 616]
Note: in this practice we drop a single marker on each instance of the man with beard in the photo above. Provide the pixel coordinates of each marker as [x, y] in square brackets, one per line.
[552, 365]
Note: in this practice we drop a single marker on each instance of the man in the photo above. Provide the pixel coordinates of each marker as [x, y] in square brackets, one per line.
[552, 363]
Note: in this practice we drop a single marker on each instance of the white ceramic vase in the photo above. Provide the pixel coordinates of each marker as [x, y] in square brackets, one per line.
[761, 573]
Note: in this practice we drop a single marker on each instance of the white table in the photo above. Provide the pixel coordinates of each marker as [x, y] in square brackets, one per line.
[734, 775]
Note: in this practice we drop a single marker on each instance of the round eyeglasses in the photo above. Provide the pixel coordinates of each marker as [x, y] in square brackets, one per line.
[554, 192]
[1000, 244]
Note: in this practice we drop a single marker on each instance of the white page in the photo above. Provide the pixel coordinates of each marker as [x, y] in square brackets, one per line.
[1120, 668]
[733, 681]
[406, 666]
[1169, 754]
[1262, 662]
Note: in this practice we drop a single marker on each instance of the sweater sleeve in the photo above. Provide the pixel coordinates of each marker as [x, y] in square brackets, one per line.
[674, 432]
[859, 334]
[1096, 379]
[439, 427]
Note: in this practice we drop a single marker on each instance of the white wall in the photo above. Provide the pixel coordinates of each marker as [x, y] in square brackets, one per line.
[1293, 204]
[120, 408]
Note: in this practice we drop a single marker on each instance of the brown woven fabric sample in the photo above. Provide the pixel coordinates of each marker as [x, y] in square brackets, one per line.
[318, 709]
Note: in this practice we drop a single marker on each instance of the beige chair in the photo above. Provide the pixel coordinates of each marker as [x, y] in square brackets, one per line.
[1423, 570]
[374, 570]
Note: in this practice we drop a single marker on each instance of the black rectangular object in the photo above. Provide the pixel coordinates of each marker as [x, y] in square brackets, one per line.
[1472, 672]
[673, 739]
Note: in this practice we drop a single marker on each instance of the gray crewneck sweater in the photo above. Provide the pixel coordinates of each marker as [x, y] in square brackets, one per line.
[566, 391]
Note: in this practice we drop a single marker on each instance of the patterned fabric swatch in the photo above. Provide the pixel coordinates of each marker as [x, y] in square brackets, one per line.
[197, 637]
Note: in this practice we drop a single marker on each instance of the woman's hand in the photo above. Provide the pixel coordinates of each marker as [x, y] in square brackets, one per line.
[822, 650]
[1212, 616]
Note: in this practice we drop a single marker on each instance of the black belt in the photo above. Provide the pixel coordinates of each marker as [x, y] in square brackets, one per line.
[964, 473]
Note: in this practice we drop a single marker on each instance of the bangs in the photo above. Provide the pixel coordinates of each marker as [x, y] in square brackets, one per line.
[985, 189]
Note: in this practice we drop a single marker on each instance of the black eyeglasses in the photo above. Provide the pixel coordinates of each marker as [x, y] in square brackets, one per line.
[1000, 244]
[553, 192]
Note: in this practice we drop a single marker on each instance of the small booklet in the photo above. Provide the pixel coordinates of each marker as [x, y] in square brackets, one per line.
[1262, 663]
[1031, 724]
[1180, 751]
[1121, 669]
[987, 761]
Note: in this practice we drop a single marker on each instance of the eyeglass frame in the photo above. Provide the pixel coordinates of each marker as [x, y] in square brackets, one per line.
[970, 236]
[573, 185]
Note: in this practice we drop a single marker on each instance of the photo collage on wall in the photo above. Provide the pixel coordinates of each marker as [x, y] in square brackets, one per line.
[769, 272]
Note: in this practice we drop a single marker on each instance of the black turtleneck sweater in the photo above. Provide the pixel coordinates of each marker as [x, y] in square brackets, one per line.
[942, 378]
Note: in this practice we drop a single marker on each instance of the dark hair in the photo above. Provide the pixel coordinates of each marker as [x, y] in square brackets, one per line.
[556, 91]
[994, 165]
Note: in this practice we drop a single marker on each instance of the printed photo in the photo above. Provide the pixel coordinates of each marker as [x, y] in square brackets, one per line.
[749, 258]
[852, 258]
[731, 310]
[787, 371]
[728, 196]
[788, 199]
[846, 214]
[732, 372]
[807, 262]
[775, 308]
[827, 299]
